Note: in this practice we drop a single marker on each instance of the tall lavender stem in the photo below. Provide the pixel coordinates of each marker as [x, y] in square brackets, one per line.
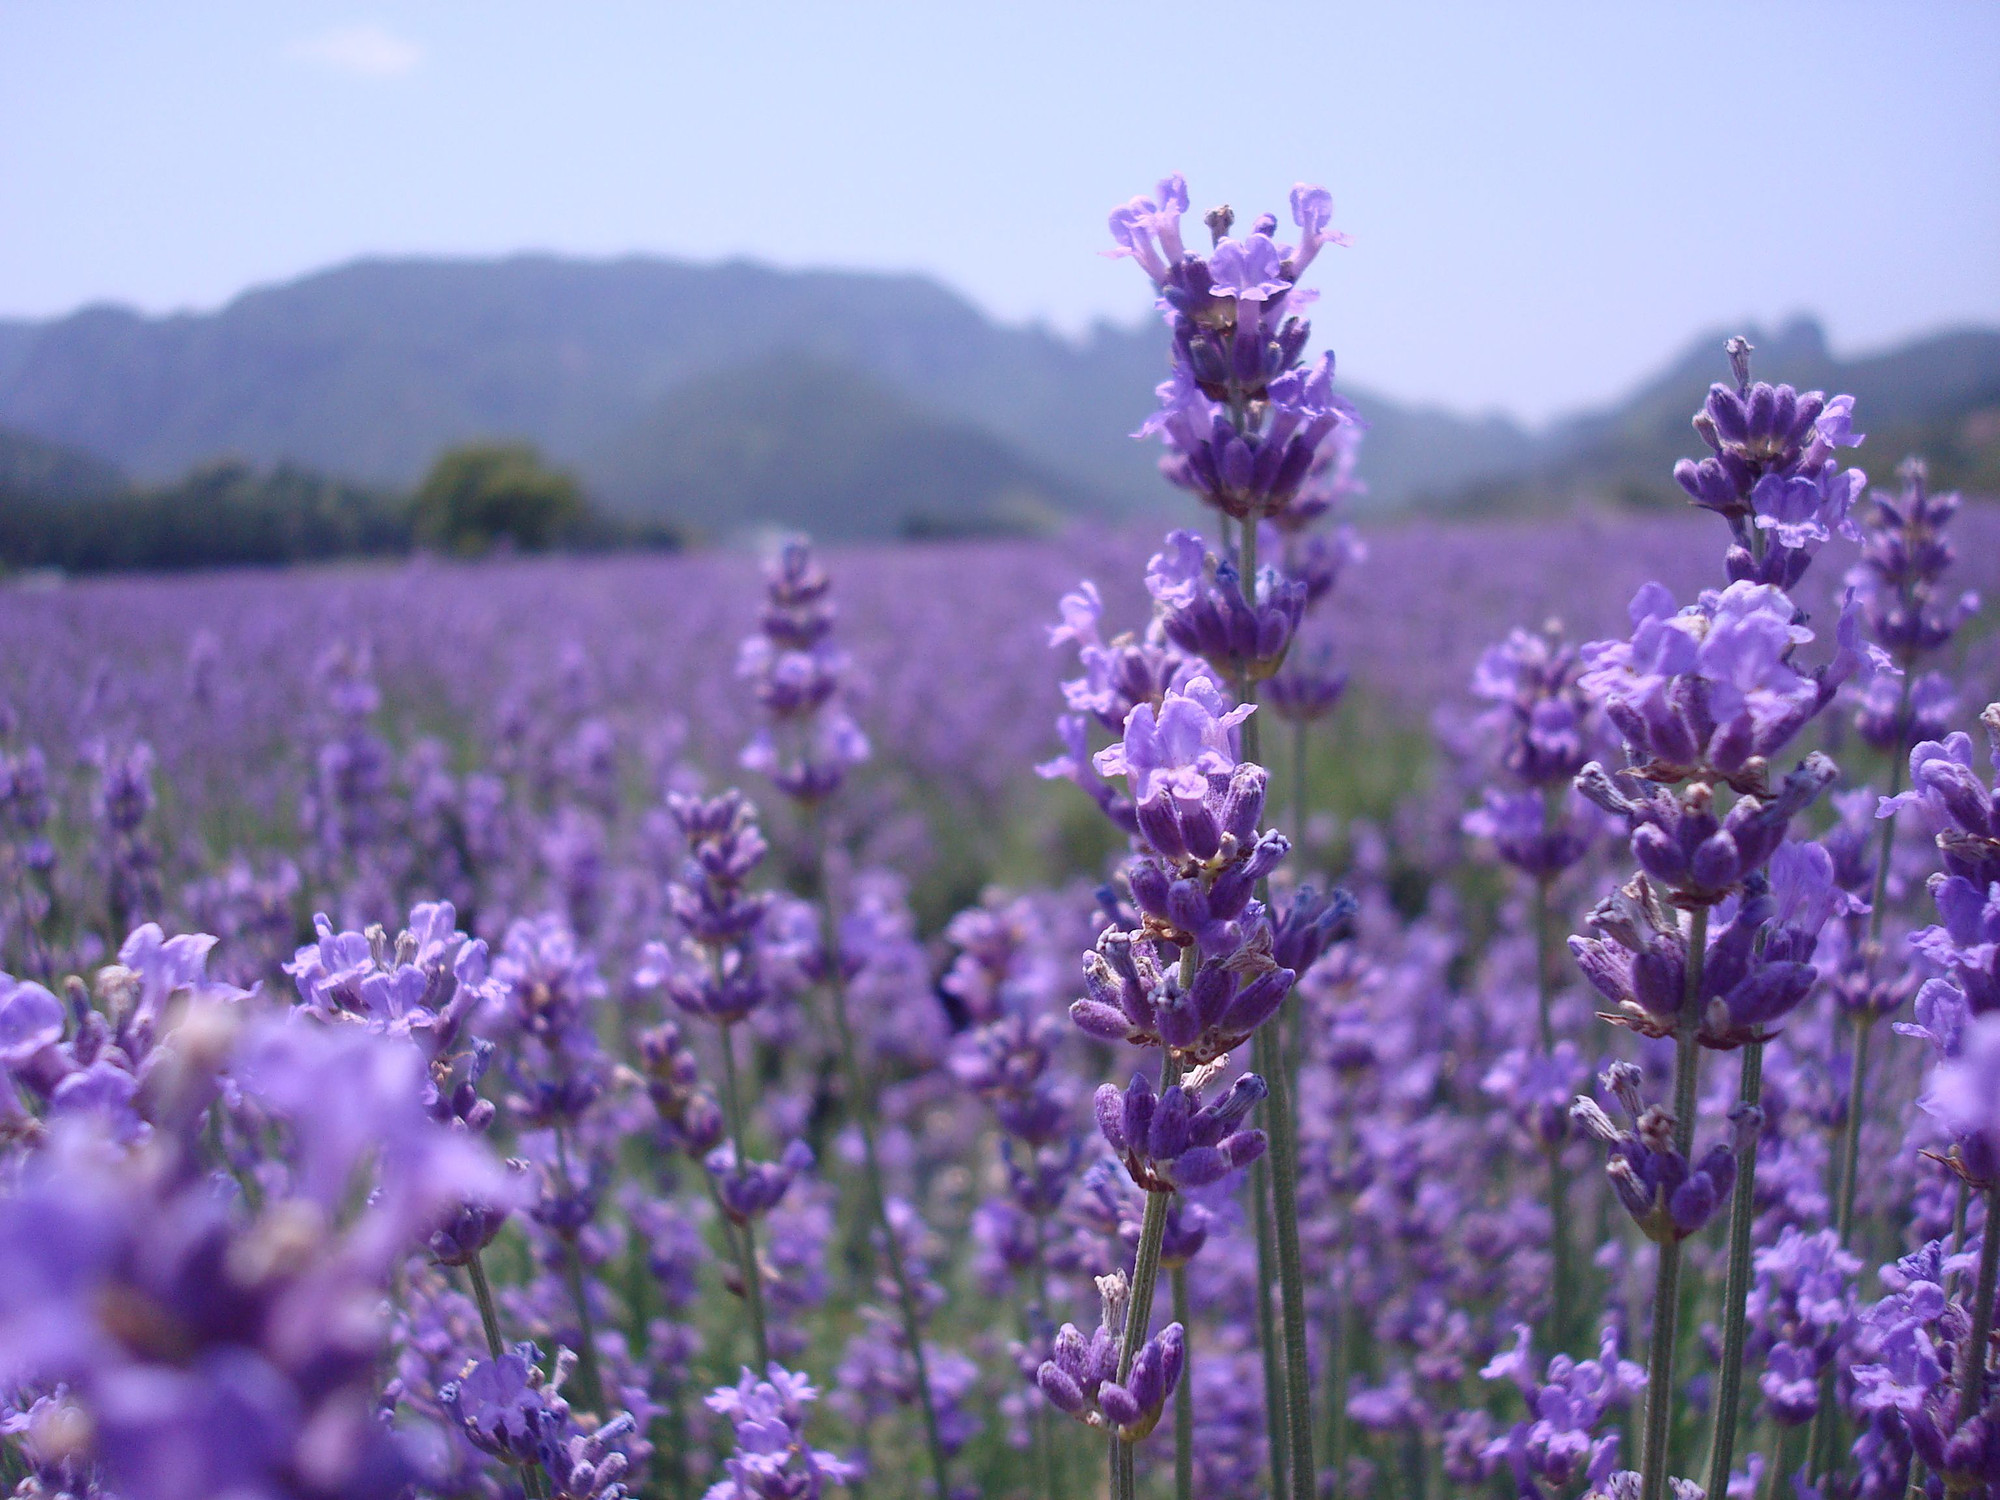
[1971, 1375]
[1183, 1395]
[861, 1097]
[1667, 1280]
[746, 1236]
[588, 1372]
[1139, 1309]
[1736, 1289]
[1559, 1231]
[1284, 1166]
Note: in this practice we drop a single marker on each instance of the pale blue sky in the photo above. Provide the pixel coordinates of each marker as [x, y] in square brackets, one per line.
[1546, 199]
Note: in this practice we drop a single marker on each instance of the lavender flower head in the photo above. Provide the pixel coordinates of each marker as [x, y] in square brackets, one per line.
[1243, 420]
[772, 1460]
[1204, 609]
[1667, 1197]
[1080, 1377]
[1711, 690]
[1559, 1443]
[1772, 473]
[1757, 966]
[1173, 1139]
[797, 673]
[1960, 810]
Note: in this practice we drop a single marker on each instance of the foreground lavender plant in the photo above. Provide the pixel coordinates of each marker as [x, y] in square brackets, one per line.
[1244, 423]
[1705, 698]
[1198, 810]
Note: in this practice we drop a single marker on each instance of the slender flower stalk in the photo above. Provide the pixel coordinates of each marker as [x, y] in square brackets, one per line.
[861, 1101]
[1284, 1171]
[1970, 1378]
[1183, 1395]
[1736, 1287]
[1667, 1275]
[1139, 1306]
[745, 1238]
[589, 1371]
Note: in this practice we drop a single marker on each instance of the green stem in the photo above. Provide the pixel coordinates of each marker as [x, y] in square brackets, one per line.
[1184, 1393]
[1667, 1279]
[482, 1293]
[1971, 1376]
[1780, 1450]
[1660, 1371]
[1299, 781]
[1282, 1129]
[1038, 1321]
[1139, 1310]
[1544, 979]
[748, 1265]
[588, 1372]
[1850, 1150]
[861, 1098]
[1561, 1287]
[1742, 1211]
[1864, 1020]
[489, 1320]
[1826, 1420]
[1342, 1363]
[1267, 1327]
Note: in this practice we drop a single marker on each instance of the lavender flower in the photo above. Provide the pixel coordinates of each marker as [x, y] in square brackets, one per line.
[1904, 557]
[1711, 690]
[1757, 963]
[797, 673]
[1561, 1442]
[1667, 1197]
[1963, 813]
[503, 1408]
[1772, 474]
[1243, 421]
[772, 1460]
[1080, 1377]
[1205, 610]
[1173, 1139]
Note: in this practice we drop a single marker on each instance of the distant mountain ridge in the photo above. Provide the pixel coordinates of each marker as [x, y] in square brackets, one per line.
[1938, 396]
[849, 402]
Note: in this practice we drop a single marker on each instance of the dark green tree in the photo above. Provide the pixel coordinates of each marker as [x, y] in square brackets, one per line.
[480, 495]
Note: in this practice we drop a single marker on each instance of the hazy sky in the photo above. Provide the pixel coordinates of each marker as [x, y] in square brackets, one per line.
[1546, 199]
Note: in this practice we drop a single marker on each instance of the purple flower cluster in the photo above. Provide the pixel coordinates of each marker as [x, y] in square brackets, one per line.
[1772, 473]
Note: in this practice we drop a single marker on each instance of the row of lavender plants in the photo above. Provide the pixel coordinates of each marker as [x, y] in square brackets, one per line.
[518, 1111]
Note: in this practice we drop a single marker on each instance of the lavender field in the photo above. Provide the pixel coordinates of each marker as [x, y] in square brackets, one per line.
[1252, 1007]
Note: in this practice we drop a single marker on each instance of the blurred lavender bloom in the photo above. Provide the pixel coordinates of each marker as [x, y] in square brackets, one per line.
[797, 674]
[1560, 1443]
[1961, 810]
[772, 1460]
[1801, 1312]
[1904, 557]
[216, 1348]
